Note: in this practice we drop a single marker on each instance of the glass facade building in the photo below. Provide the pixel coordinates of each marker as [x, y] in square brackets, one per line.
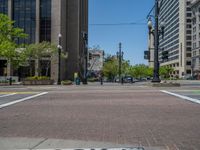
[4, 6]
[24, 15]
[45, 20]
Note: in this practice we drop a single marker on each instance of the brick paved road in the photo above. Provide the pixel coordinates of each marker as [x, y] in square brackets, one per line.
[122, 115]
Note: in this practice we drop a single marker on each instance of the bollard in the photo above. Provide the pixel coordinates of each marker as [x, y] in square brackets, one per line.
[101, 79]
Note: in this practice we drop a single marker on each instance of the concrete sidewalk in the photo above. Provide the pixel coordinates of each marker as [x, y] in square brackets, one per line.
[42, 143]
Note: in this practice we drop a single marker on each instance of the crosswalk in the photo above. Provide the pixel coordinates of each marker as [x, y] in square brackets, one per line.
[188, 95]
[11, 98]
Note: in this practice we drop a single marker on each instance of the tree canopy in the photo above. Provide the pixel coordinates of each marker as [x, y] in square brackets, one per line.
[111, 66]
[8, 35]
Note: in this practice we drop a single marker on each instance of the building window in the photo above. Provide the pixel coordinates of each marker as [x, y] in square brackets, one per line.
[4, 6]
[194, 45]
[188, 55]
[45, 20]
[24, 14]
[194, 37]
[188, 63]
[194, 29]
[188, 72]
[194, 53]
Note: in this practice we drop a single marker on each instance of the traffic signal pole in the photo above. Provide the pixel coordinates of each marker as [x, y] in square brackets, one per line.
[156, 75]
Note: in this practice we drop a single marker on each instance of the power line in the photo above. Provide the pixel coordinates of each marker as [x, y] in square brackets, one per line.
[118, 24]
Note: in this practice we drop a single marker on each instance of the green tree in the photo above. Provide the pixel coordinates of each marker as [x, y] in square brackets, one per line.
[165, 71]
[8, 47]
[37, 52]
[110, 68]
[140, 71]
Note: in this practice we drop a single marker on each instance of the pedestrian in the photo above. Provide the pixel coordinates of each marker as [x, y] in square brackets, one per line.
[101, 78]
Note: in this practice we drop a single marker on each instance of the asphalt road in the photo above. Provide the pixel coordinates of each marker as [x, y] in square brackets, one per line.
[123, 115]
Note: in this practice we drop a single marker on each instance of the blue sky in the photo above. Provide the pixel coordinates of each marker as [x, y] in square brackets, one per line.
[133, 37]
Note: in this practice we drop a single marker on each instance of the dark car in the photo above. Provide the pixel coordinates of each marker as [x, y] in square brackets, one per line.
[129, 79]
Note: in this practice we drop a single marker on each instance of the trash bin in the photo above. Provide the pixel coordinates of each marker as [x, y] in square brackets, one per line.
[77, 81]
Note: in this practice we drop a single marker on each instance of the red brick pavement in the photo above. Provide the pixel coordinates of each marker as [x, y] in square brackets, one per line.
[148, 118]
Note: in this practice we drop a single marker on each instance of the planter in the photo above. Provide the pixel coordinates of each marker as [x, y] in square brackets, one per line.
[38, 82]
[66, 83]
[4, 84]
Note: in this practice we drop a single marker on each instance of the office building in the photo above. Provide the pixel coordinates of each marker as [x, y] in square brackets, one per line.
[195, 6]
[43, 20]
[177, 37]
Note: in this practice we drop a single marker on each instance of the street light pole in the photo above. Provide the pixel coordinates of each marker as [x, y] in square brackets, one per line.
[59, 59]
[156, 77]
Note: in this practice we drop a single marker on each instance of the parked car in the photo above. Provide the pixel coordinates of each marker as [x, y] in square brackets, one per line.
[128, 79]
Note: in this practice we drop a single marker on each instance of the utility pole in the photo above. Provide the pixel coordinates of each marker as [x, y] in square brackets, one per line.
[120, 62]
[120, 58]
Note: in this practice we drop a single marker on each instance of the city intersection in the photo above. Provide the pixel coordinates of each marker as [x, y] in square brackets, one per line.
[95, 116]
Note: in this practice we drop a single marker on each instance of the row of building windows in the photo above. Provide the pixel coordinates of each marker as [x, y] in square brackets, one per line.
[4, 6]
[195, 45]
[194, 53]
[168, 8]
[45, 20]
[170, 15]
[169, 43]
[24, 15]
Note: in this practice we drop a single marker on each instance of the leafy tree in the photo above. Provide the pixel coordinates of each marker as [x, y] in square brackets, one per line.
[110, 68]
[38, 51]
[8, 47]
[139, 71]
[125, 67]
[165, 71]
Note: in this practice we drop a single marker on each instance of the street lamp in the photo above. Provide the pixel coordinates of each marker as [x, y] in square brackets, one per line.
[59, 58]
[156, 33]
[120, 55]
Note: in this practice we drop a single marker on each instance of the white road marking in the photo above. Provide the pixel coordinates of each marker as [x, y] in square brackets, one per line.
[8, 95]
[182, 97]
[21, 100]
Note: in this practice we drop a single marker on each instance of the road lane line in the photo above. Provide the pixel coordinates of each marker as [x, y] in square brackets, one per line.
[21, 100]
[8, 95]
[19, 92]
[182, 97]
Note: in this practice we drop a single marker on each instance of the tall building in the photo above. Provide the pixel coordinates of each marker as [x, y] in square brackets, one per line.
[195, 6]
[177, 37]
[43, 20]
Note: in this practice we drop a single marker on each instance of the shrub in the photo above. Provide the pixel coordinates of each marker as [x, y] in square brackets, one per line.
[4, 81]
[38, 78]
[66, 82]
[93, 79]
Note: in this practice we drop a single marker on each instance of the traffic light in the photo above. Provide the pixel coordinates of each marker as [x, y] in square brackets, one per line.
[165, 55]
[90, 56]
[147, 55]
